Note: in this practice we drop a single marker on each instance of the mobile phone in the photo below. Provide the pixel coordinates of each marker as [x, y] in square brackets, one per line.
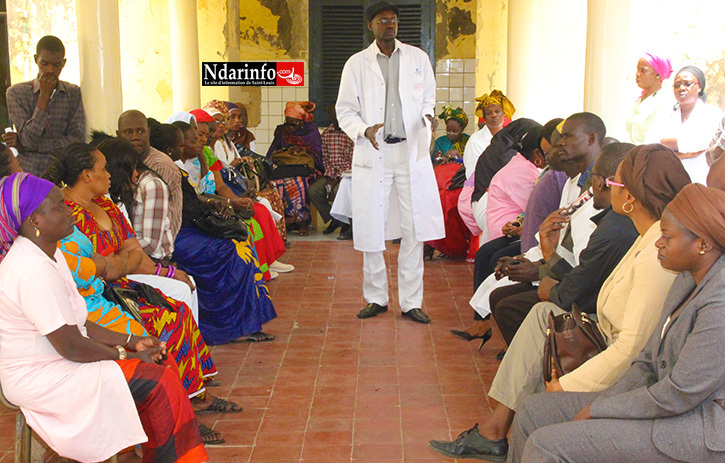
[578, 203]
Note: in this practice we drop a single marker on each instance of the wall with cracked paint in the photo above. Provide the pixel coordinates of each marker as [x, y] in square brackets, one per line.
[273, 29]
[456, 29]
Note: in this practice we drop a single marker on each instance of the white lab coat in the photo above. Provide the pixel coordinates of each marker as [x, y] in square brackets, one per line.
[361, 104]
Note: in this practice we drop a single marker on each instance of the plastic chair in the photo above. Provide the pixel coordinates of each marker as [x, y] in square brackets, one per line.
[24, 435]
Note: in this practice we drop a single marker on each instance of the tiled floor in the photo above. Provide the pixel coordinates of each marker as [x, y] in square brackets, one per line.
[333, 388]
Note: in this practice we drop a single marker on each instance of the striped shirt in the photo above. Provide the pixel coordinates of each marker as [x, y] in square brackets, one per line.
[151, 218]
[43, 133]
[162, 165]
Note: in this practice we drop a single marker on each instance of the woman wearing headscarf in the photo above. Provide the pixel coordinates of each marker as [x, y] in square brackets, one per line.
[88, 392]
[689, 129]
[449, 147]
[629, 305]
[496, 111]
[224, 148]
[668, 406]
[241, 136]
[297, 151]
[446, 158]
[653, 103]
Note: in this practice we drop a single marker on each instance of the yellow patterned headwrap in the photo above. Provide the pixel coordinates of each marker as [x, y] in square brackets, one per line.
[456, 114]
[495, 97]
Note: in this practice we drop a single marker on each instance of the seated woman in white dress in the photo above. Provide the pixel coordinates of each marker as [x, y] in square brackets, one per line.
[88, 392]
[689, 129]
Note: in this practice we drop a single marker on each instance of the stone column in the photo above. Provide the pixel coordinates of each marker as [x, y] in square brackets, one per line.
[185, 64]
[608, 63]
[100, 63]
[491, 38]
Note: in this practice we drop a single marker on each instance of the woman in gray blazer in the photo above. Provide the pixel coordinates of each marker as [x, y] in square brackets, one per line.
[670, 405]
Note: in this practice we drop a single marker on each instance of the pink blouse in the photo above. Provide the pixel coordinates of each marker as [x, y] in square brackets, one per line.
[508, 193]
[84, 411]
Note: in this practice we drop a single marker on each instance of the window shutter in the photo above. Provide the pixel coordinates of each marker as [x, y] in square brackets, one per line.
[410, 28]
[341, 38]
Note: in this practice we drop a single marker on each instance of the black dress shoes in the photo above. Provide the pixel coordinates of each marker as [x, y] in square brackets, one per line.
[471, 444]
[345, 232]
[334, 225]
[372, 310]
[417, 315]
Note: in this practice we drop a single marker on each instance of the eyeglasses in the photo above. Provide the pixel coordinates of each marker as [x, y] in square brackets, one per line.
[683, 84]
[385, 22]
[610, 182]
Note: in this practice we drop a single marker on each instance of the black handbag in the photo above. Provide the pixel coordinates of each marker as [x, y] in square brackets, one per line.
[126, 299]
[214, 224]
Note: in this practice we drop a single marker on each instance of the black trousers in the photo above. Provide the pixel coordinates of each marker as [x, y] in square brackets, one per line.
[487, 257]
[510, 305]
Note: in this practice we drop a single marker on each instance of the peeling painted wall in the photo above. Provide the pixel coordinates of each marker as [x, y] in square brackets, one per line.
[273, 29]
[456, 29]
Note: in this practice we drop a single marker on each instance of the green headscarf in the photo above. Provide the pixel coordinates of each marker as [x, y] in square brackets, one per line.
[456, 114]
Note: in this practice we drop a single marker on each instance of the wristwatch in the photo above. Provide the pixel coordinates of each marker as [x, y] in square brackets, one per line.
[121, 353]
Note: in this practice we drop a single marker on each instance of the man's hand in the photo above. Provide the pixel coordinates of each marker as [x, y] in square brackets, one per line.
[544, 289]
[501, 269]
[549, 232]
[433, 122]
[524, 271]
[370, 133]
[48, 82]
[11, 139]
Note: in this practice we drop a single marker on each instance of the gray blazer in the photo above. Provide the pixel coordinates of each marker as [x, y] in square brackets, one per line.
[677, 378]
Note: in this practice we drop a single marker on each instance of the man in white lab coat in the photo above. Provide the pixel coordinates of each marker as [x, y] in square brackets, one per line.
[386, 105]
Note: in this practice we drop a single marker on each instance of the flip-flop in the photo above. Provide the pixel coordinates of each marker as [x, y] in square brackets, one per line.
[259, 336]
[219, 405]
[209, 436]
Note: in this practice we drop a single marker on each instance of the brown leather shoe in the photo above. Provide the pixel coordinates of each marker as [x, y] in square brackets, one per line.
[372, 310]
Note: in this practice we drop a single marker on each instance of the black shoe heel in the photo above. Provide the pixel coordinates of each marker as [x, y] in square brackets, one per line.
[486, 336]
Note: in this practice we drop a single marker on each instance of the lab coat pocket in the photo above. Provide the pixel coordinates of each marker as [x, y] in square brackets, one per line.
[361, 155]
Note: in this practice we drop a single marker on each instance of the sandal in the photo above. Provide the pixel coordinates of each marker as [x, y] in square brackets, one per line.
[259, 336]
[209, 436]
[219, 405]
[212, 383]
